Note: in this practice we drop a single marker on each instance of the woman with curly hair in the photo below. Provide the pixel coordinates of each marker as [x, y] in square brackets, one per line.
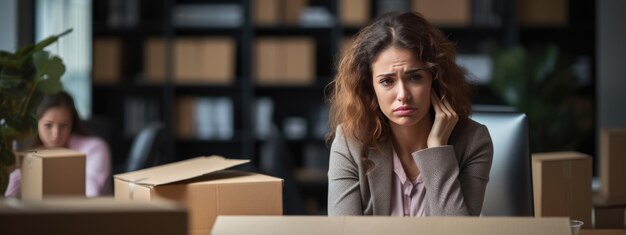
[402, 142]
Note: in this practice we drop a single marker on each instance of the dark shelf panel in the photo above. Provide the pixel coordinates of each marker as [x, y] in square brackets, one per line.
[207, 31]
[292, 31]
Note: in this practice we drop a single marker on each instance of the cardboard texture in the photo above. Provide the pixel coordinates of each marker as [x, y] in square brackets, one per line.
[543, 13]
[346, 43]
[613, 166]
[202, 185]
[610, 217]
[562, 185]
[354, 12]
[185, 113]
[602, 232]
[53, 173]
[267, 12]
[196, 60]
[293, 9]
[91, 216]
[365, 225]
[445, 12]
[285, 61]
[154, 60]
[204, 60]
[107, 60]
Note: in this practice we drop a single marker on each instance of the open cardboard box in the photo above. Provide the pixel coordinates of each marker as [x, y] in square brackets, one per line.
[366, 225]
[91, 216]
[204, 186]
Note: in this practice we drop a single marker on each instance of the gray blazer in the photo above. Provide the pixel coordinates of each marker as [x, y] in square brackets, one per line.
[455, 175]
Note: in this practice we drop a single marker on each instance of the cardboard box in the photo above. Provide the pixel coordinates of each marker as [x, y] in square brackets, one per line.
[196, 60]
[205, 189]
[267, 12]
[185, 117]
[285, 61]
[613, 165]
[602, 232]
[365, 225]
[354, 12]
[345, 45]
[204, 60]
[107, 60]
[154, 60]
[445, 12]
[543, 13]
[292, 10]
[53, 173]
[610, 217]
[91, 216]
[562, 185]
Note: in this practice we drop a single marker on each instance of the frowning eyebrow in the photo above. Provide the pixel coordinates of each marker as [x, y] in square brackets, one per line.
[409, 71]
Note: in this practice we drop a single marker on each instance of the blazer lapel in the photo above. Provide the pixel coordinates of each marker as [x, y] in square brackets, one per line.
[379, 180]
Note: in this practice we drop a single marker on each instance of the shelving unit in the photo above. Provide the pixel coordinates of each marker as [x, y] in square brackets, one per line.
[154, 19]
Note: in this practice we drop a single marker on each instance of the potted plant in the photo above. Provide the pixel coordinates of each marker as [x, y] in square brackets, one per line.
[25, 77]
[539, 82]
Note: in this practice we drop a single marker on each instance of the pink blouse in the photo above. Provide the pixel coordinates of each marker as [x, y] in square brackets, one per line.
[407, 197]
[98, 166]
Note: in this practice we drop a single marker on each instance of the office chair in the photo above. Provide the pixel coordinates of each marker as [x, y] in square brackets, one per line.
[144, 151]
[509, 191]
[276, 161]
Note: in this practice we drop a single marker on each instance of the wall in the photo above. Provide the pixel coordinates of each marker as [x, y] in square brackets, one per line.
[8, 24]
[611, 82]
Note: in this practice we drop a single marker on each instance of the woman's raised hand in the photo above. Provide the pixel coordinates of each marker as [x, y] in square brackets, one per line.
[445, 120]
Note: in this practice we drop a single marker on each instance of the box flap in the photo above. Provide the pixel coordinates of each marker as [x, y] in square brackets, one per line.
[54, 152]
[559, 156]
[178, 171]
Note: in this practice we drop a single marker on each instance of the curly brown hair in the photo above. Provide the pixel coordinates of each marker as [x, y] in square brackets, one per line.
[352, 98]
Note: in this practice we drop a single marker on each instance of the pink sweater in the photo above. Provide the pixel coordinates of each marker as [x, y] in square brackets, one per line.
[98, 166]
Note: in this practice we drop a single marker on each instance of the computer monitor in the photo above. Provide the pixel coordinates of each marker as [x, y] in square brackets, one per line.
[509, 191]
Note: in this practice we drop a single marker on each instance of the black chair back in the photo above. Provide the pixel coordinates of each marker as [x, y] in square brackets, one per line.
[144, 151]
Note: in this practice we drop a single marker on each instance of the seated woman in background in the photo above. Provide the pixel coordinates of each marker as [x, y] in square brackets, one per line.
[60, 126]
[402, 142]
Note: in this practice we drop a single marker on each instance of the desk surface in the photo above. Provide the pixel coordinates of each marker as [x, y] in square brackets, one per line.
[602, 232]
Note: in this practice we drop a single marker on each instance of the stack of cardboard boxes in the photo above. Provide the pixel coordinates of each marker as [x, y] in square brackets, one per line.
[610, 202]
[202, 185]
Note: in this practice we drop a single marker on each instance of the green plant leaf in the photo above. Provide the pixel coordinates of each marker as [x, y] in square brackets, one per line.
[544, 63]
[6, 156]
[49, 71]
[9, 81]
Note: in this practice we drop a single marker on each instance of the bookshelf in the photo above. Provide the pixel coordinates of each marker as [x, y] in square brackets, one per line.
[261, 91]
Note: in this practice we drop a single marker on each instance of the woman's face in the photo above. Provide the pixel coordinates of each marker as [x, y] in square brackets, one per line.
[55, 127]
[402, 86]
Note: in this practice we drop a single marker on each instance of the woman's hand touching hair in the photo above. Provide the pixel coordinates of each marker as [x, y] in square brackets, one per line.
[445, 120]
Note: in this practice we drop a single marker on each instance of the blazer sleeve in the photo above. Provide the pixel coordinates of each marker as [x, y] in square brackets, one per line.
[344, 196]
[456, 187]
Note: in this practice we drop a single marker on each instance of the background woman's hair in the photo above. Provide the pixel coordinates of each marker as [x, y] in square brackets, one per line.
[352, 99]
[59, 100]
